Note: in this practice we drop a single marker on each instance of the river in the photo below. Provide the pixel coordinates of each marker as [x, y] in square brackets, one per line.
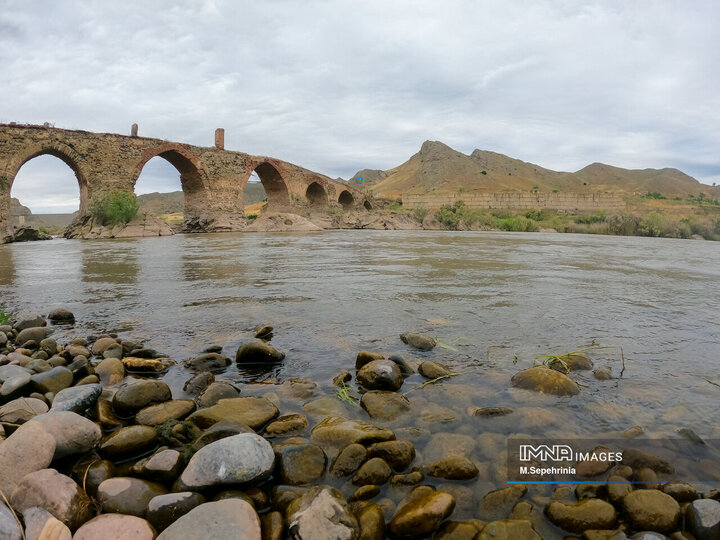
[489, 298]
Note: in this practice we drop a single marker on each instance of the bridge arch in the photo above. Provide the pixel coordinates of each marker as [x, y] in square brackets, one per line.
[56, 149]
[346, 199]
[316, 194]
[278, 196]
[193, 179]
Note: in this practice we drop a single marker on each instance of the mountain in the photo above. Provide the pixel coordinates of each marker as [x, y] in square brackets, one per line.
[438, 169]
[173, 202]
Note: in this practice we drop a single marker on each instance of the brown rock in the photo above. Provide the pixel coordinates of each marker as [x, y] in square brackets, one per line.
[422, 514]
[652, 510]
[251, 411]
[581, 516]
[117, 527]
[545, 380]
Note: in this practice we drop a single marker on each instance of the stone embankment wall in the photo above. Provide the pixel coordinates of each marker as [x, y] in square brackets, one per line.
[569, 202]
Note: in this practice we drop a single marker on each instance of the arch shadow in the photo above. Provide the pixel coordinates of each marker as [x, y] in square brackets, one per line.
[278, 196]
[316, 195]
[346, 200]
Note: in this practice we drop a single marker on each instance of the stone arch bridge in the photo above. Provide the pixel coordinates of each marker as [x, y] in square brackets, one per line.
[212, 178]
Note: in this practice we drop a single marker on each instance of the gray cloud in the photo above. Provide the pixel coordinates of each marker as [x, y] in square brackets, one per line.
[338, 86]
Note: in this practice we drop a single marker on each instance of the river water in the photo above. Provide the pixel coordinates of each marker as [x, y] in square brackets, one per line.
[488, 297]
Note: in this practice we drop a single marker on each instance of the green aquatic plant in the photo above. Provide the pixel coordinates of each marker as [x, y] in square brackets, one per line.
[344, 394]
[5, 317]
[431, 381]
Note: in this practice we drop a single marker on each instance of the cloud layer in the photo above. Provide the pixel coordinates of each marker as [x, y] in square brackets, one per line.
[339, 86]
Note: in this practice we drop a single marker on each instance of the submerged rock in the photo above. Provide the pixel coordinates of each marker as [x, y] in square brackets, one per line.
[418, 341]
[339, 432]
[299, 463]
[652, 510]
[251, 411]
[422, 514]
[213, 362]
[257, 351]
[545, 380]
[581, 516]
[163, 510]
[323, 514]
[384, 405]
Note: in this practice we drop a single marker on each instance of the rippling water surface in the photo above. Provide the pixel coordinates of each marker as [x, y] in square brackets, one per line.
[489, 296]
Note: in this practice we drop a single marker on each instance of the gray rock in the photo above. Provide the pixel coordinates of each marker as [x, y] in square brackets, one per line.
[164, 466]
[56, 493]
[380, 375]
[76, 398]
[323, 514]
[52, 381]
[197, 383]
[12, 370]
[42, 525]
[3, 339]
[9, 528]
[246, 458]
[418, 341]
[163, 510]
[257, 351]
[21, 410]
[30, 448]
[215, 392]
[13, 384]
[61, 316]
[132, 397]
[126, 495]
[703, 519]
[30, 334]
[117, 527]
[229, 518]
[29, 320]
[113, 351]
[73, 434]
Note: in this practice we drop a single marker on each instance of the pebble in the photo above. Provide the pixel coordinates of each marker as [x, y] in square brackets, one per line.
[77, 398]
[453, 468]
[703, 519]
[111, 371]
[257, 351]
[374, 471]
[73, 434]
[197, 383]
[246, 458]
[217, 519]
[288, 424]
[212, 362]
[348, 460]
[30, 334]
[215, 392]
[254, 412]
[339, 432]
[61, 316]
[29, 320]
[163, 510]
[175, 409]
[56, 493]
[117, 527]
[499, 503]
[365, 357]
[299, 463]
[380, 375]
[30, 448]
[422, 514]
[130, 398]
[323, 514]
[652, 510]
[580, 516]
[129, 442]
[398, 454]
[53, 380]
[13, 384]
[509, 529]
[127, 495]
[433, 370]
[545, 380]
[418, 341]
[101, 344]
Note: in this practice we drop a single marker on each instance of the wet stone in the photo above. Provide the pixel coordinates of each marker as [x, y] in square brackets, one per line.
[56, 493]
[499, 503]
[73, 434]
[680, 492]
[101, 344]
[545, 380]
[422, 514]
[273, 526]
[130, 398]
[30, 448]
[364, 493]
[217, 519]
[61, 316]
[453, 468]
[21, 410]
[175, 409]
[418, 341]
[258, 352]
[433, 370]
[371, 520]
[126, 495]
[348, 460]
[339, 432]
[652, 510]
[42, 525]
[703, 519]
[254, 412]
[409, 479]
[489, 412]
[164, 466]
[77, 398]
[299, 463]
[163, 510]
[220, 430]
[373, 471]
[509, 529]
[113, 351]
[215, 392]
[365, 357]
[323, 514]
[288, 424]
[617, 488]
[241, 459]
[143, 366]
[603, 373]
[576, 361]
[213, 362]
[197, 383]
[117, 527]
[30, 334]
[380, 375]
[405, 369]
[398, 454]
[129, 442]
[580, 516]
[111, 371]
[53, 380]
[93, 474]
[459, 530]
[13, 385]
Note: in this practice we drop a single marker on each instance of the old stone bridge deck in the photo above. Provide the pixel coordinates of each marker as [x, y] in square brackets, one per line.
[212, 178]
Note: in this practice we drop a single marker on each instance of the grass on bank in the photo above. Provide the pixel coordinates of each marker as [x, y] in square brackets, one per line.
[114, 207]
[639, 220]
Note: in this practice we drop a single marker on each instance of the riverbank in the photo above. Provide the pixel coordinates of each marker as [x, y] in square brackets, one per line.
[94, 435]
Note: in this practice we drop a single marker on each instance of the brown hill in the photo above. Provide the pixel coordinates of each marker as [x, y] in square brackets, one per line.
[437, 168]
[173, 202]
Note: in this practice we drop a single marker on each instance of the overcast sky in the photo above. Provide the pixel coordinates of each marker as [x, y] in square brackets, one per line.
[338, 86]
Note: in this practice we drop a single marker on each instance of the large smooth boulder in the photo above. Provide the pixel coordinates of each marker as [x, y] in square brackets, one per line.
[246, 458]
[73, 434]
[130, 398]
[117, 527]
[254, 412]
[422, 513]
[652, 510]
[583, 515]
[229, 518]
[546, 381]
[77, 398]
[30, 448]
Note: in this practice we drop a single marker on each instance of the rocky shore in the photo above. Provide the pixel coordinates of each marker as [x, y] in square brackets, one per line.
[95, 444]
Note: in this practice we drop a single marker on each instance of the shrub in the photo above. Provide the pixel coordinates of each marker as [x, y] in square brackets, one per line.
[624, 224]
[517, 224]
[534, 215]
[420, 212]
[5, 317]
[251, 216]
[654, 195]
[451, 217]
[653, 224]
[598, 217]
[394, 206]
[114, 208]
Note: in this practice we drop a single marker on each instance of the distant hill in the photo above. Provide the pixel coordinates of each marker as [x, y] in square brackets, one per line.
[438, 169]
[173, 202]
